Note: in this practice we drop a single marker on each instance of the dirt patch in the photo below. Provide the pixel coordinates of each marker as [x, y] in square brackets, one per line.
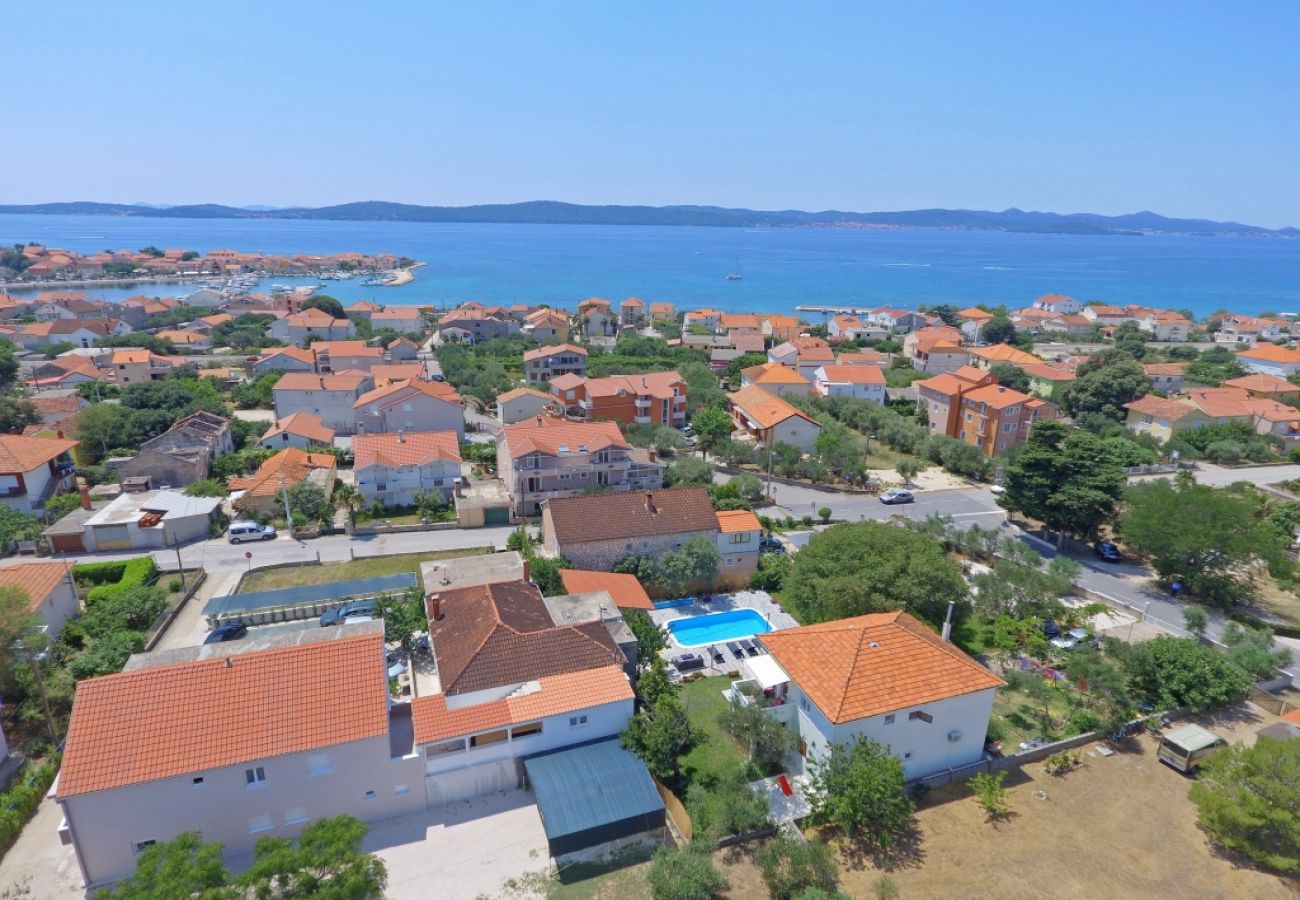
[1117, 827]
[1269, 598]
[931, 479]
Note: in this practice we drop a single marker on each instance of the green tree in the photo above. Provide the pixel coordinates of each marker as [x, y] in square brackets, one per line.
[824, 514]
[791, 865]
[404, 618]
[16, 526]
[348, 496]
[1104, 383]
[325, 861]
[8, 364]
[257, 394]
[1252, 649]
[711, 425]
[858, 787]
[998, 330]
[649, 639]
[101, 427]
[1248, 799]
[687, 471]
[1065, 478]
[1011, 376]
[1021, 584]
[907, 469]
[1207, 537]
[654, 683]
[991, 793]
[1173, 673]
[184, 867]
[748, 487]
[773, 569]
[659, 737]
[695, 562]
[1195, 619]
[16, 413]
[733, 453]
[848, 570]
[726, 806]
[208, 487]
[685, 873]
[767, 741]
[325, 303]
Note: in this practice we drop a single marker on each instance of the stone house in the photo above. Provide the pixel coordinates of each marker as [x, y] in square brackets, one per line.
[597, 531]
[182, 454]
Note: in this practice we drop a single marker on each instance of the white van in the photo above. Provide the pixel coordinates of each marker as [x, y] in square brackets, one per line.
[250, 531]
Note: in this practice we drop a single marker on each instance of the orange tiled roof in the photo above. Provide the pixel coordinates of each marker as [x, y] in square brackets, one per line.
[1221, 402]
[518, 392]
[611, 517]
[869, 665]
[659, 385]
[305, 425]
[766, 409]
[1169, 369]
[411, 448]
[551, 350]
[391, 393]
[553, 695]
[1272, 353]
[548, 435]
[37, 579]
[625, 589]
[160, 722]
[297, 353]
[56, 405]
[996, 396]
[773, 373]
[290, 464]
[1159, 407]
[309, 381]
[388, 373]
[23, 454]
[975, 314]
[736, 520]
[1263, 384]
[1004, 353]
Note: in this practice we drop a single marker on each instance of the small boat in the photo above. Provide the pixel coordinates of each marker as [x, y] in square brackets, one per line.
[738, 274]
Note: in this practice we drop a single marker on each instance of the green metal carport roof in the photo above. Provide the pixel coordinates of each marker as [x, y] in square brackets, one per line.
[591, 794]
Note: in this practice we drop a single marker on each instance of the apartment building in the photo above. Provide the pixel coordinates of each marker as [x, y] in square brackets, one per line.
[394, 468]
[653, 398]
[311, 324]
[546, 325]
[996, 418]
[551, 457]
[330, 398]
[545, 363]
[595, 317]
[632, 311]
[138, 366]
[412, 405]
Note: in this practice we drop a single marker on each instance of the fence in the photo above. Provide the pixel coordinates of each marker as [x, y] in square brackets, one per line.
[305, 601]
[1157, 469]
[678, 817]
[1264, 700]
[402, 529]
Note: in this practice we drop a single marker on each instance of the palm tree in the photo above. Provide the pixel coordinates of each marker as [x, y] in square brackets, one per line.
[347, 496]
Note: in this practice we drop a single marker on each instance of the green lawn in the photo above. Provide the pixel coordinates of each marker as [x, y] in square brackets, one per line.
[715, 752]
[295, 576]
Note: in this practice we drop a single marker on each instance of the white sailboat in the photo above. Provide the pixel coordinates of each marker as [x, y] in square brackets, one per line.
[738, 274]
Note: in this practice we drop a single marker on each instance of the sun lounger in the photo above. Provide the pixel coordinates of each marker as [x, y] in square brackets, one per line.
[746, 646]
[735, 650]
[718, 658]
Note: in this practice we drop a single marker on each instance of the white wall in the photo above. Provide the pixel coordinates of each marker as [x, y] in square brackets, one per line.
[333, 407]
[873, 392]
[403, 482]
[107, 824]
[57, 608]
[798, 432]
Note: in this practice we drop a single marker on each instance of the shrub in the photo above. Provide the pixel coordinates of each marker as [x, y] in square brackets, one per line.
[992, 795]
[99, 573]
[135, 573]
[684, 874]
[1060, 763]
[791, 866]
[19, 803]
[175, 585]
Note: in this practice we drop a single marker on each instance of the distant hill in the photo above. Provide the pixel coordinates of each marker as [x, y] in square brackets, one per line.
[550, 212]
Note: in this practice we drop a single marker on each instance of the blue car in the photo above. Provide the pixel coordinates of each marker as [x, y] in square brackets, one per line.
[231, 631]
[358, 609]
[1106, 551]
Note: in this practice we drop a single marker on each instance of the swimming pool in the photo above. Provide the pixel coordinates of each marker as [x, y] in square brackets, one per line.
[699, 631]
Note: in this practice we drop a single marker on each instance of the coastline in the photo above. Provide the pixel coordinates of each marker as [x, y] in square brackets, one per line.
[404, 275]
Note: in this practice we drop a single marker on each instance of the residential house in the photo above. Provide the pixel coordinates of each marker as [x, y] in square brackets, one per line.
[331, 398]
[595, 318]
[662, 312]
[402, 319]
[311, 325]
[239, 741]
[544, 363]
[1166, 377]
[345, 356]
[1058, 304]
[776, 379]
[1246, 331]
[598, 531]
[301, 430]
[631, 311]
[625, 590]
[402, 349]
[284, 359]
[929, 334]
[709, 319]
[205, 297]
[411, 406]
[79, 332]
[999, 354]
[362, 309]
[394, 468]
[781, 328]
[57, 408]
[1100, 314]
[186, 340]
[996, 418]
[33, 470]
[885, 677]
[138, 366]
[50, 590]
[864, 358]
[212, 321]
[657, 398]
[846, 327]
[1164, 418]
[1266, 387]
[387, 373]
[973, 319]
[262, 492]
[522, 404]
[470, 324]
[66, 372]
[1166, 326]
[545, 325]
[1072, 324]
[940, 397]
[856, 382]
[1045, 378]
[938, 356]
[551, 457]
[898, 321]
[739, 533]
[182, 454]
[143, 520]
[770, 420]
[1270, 359]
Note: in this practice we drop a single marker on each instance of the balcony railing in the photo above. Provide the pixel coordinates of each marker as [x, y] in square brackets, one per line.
[643, 402]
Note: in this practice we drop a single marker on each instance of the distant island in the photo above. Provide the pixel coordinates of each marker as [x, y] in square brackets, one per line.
[550, 212]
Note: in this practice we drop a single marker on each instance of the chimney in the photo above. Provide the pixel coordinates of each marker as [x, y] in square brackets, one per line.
[528, 571]
[435, 607]
[947, 622]
[401, 437]
[650, 502]
[539, 421]
[85, 493]
[654, 454]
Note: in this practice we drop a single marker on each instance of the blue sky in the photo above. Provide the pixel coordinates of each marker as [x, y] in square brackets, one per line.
[1184, 108]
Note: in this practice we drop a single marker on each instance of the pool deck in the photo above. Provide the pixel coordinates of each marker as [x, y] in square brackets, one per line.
[759, 601]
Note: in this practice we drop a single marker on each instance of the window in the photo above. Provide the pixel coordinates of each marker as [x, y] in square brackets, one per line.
[260, 823]
[319, 764]
[401, 790]
[490, 737]
[730, 562]
[139, 846]
[255, 777]
[456, 746]
[889, 719]
[370, 795]
[907, 755]
[577, 721]
[923, 716]
[803, 704]
[295, 815]
[743, 537]
[524, 730]
[197, 782]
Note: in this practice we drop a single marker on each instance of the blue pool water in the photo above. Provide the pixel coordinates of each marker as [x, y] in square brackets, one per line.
[718, 627]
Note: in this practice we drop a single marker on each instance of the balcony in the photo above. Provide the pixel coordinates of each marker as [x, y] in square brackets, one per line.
[643, 402]
[642, 420]
[585, 404]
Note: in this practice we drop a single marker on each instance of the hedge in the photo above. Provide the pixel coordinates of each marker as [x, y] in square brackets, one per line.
[18, 804]
[99, 573]
[135, 573]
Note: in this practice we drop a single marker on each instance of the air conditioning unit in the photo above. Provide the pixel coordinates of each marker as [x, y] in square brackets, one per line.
[954, 736]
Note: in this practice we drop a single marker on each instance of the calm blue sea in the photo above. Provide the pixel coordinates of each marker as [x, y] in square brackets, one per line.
[783, 268]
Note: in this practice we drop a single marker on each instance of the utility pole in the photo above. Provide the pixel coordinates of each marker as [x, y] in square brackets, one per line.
[34, 662]
[180, 566]
[288, 513]
[769, 474]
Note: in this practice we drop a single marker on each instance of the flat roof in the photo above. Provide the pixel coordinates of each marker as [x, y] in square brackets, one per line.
[467, 571]
[586, 787]
[1193, 737]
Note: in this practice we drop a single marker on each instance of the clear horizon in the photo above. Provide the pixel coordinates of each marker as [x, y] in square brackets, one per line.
[1175, 108]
